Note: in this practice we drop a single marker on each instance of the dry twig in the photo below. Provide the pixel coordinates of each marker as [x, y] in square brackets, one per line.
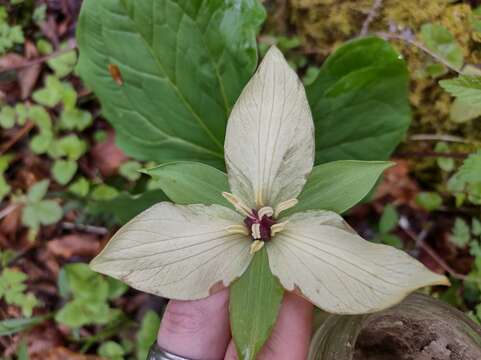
[419, 241]
[373, 13]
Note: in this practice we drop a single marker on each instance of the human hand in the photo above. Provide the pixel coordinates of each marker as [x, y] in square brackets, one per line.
[200, 329]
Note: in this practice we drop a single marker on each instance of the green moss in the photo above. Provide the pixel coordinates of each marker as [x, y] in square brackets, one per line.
[324, 24]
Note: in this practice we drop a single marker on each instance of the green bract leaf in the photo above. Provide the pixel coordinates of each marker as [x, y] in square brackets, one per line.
[125, 206]
[360, 102]
[255, 300]
[467, 88]
[339, 185]
[169, 106]
[438, 39]
[191, 183]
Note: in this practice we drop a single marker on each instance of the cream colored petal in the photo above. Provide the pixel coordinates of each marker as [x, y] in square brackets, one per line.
[339, 271]
[178, 252]
[269, 145]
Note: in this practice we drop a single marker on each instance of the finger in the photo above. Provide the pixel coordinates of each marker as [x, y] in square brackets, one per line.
[196, 329]
[291, 335]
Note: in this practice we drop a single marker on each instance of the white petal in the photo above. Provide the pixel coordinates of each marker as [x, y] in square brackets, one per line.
[339, 271]
[178, 252]
[269, 145]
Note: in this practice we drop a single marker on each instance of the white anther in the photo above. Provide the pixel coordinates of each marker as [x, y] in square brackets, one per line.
[238, 204]
[237, 229]
[284, 206]
[256, 231]
[256, 246]
[265, 211]
[276, 228]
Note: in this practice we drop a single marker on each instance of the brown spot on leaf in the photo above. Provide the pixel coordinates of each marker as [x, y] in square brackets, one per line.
[116, 74]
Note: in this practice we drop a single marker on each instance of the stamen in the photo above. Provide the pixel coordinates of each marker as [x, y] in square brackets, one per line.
[237, 229]
[256, 231]
[256, 246]
[283, 206]
[265, 211]
[276, 228]
[237, 203]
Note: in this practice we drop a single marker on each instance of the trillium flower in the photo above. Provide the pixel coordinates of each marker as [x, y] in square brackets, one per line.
[185, 252]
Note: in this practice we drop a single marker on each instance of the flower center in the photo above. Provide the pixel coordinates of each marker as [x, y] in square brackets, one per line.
[260, 222]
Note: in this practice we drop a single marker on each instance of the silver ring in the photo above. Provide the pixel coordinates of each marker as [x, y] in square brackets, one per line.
[157, 353]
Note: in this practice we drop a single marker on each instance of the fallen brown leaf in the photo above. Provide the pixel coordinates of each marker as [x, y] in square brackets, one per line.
[398, 185]
[61, 353]
[107, 156]
[74, 245]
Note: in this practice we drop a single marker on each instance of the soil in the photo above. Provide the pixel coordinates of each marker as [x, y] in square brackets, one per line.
[393, 337]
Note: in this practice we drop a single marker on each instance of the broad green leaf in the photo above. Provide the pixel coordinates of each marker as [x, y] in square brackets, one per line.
[438, 39]
[63, 171]
[360, 102]
[467, 88]
[339, 185]
[429, 201]
[197, 55]
[255, 300]
[13, 326]
[191, 183]
[389, 219]
[147, 333]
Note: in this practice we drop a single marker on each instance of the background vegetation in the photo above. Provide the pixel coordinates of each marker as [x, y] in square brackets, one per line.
[65, 186]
